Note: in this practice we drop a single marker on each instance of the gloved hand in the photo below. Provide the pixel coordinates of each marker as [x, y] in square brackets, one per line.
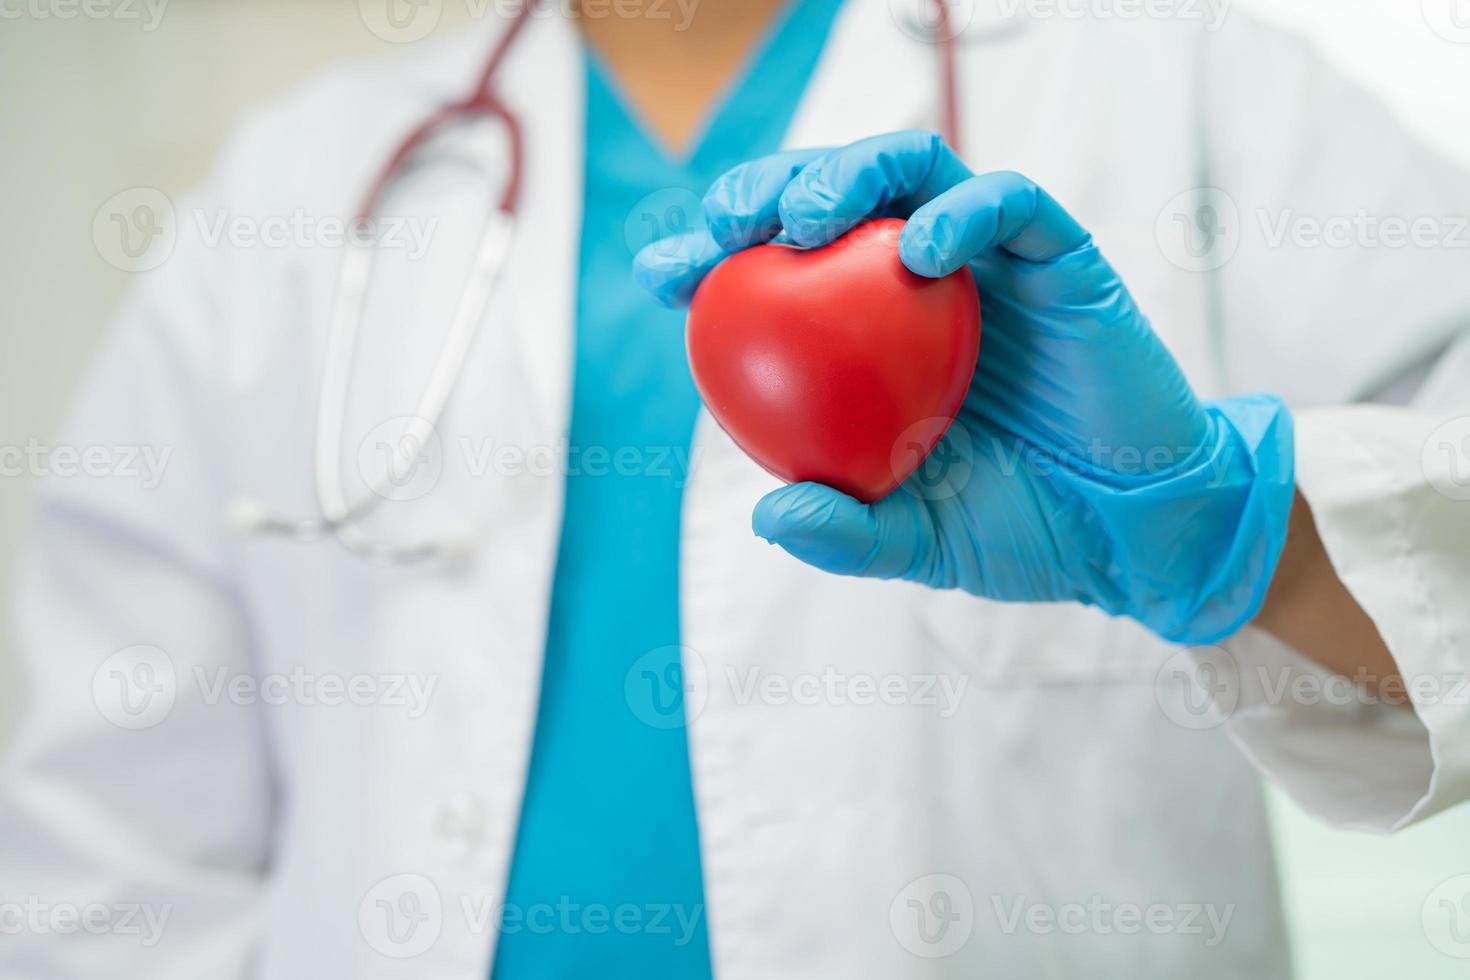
[1082, 466]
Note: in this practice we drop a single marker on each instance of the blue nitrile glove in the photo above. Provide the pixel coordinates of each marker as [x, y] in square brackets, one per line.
[1082, 466]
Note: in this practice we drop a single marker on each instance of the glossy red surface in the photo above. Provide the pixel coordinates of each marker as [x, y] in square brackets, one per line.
[836, 364]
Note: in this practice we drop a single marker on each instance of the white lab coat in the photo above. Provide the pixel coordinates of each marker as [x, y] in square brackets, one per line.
[926, 838]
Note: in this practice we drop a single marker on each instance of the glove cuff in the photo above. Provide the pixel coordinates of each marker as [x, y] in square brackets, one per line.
[1242, 489]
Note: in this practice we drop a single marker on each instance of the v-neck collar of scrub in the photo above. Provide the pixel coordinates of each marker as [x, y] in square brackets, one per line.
[788, 48]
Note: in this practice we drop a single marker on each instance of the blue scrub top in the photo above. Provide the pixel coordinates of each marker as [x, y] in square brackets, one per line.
[606, 879]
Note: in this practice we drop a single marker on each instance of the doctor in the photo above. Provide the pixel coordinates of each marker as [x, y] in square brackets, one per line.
[647, 743]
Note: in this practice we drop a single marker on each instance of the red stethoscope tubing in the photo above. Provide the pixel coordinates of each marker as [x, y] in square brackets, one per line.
[482, 102]
[949, 82]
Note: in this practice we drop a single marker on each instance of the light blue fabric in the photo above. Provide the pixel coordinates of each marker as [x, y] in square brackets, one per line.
[606, 880]
[1081, 467]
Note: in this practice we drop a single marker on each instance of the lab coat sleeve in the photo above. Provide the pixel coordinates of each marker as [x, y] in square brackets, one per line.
[1332, 297]
[135, 806]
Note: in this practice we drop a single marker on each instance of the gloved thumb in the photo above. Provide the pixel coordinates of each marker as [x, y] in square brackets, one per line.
[832, 531]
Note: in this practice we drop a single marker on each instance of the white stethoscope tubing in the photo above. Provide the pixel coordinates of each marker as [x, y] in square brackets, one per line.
[340, 515]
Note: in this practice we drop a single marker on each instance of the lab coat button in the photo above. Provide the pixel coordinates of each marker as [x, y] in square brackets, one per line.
[461, 829]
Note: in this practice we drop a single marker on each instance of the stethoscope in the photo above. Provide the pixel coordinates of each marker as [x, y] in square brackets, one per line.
[341, 516]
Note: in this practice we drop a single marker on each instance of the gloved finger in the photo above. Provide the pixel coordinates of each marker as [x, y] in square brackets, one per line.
[740, 206]
[1005, 210]
[831, 531]
[896, 171]
[672, 268]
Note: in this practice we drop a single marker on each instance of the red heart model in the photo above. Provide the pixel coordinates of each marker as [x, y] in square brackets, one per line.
[834, 364]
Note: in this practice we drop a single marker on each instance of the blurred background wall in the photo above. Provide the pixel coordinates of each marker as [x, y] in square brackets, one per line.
[90, 106]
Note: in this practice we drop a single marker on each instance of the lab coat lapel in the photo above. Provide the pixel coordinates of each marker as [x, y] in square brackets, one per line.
[544, 86]
[487, 621]
[872, 78]
[515, 387]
